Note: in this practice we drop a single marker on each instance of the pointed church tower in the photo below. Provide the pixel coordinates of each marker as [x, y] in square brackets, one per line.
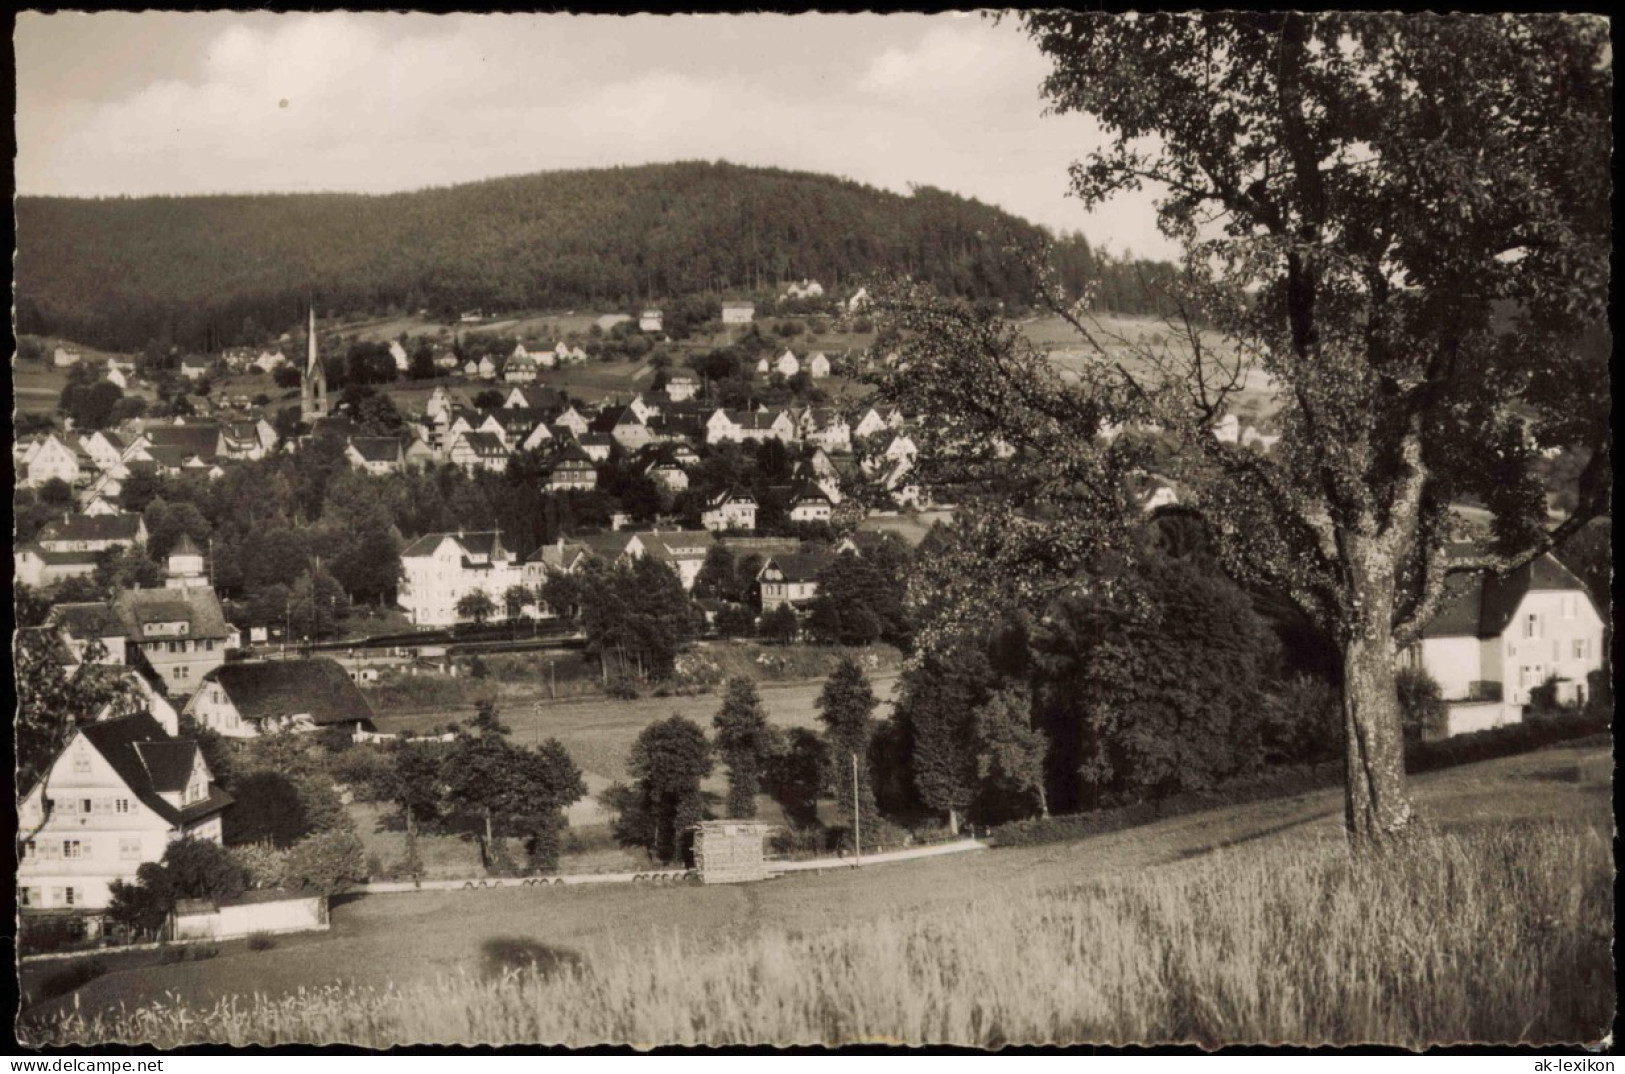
[313, 386]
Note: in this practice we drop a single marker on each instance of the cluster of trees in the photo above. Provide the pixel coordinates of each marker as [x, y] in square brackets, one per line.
[192, 868]
[512, 792]
[94, 402]
[287, 828]
[671, 758]
[730, 377]
[613, 237]
[1423, 349]
[635, 615]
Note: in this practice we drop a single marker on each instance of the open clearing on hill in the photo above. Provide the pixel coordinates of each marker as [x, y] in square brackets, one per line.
[412, 938]
[599, 732]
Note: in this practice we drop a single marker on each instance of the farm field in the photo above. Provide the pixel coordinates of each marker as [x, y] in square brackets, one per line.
[37, 386]
[911, 526]
[868, 930]
[1123, 337]
[599, 731]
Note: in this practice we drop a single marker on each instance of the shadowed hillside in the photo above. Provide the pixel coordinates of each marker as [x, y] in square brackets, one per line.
[119, 272]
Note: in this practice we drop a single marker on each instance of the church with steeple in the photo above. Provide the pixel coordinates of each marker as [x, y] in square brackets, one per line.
[313, 385]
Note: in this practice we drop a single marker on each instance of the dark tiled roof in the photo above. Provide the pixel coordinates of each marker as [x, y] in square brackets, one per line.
[761, 546]
[88, 620]
[668, 545]
[484, 544]
[197, 605]
[194, 439]
[92, 528]
[1482, 606]
[377, 448]
[606, 546]
[126, 740]
[539, 396]
[169, 764]
[335, 425]
[799, 566]
[276, 688]
[484, 444]
[523, 418]
[61, 559]
[731, 496]
[572, 457]
[807, 491]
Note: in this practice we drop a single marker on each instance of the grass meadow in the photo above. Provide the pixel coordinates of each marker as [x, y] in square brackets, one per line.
[1245, 924]
[1501, 935]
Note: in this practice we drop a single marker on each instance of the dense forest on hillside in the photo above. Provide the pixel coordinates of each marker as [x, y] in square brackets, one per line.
[121, 272]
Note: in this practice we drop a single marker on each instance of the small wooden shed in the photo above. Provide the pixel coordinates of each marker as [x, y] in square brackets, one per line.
[730, 851]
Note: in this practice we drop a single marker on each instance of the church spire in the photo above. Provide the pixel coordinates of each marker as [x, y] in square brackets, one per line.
[313, 385]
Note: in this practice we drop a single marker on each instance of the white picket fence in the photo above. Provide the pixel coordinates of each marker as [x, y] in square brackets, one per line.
[374, 736]
[661, 876]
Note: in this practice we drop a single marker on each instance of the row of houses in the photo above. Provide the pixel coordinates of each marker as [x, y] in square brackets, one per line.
[125, 786]
[165, 448]
[441, 569]
[817, 365]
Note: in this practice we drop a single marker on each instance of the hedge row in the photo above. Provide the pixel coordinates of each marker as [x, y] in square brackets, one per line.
[1286, 781]
[1531, 734]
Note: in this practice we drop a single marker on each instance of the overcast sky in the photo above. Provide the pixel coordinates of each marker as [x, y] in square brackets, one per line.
[159, 103]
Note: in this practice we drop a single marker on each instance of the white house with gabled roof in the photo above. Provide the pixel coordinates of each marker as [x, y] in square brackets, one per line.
[1496, 638]
[117, 795]
[440, 569]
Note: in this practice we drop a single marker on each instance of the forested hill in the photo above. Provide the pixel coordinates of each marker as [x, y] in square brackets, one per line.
[119, 272]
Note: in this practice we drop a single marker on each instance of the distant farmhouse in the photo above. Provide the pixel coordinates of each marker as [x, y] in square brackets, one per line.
[245, 700]
[1497, 638]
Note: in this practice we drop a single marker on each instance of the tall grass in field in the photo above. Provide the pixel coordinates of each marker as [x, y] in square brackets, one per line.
[1499, 935]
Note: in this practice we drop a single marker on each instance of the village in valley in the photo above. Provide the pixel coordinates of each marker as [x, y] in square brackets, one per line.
[390, 643]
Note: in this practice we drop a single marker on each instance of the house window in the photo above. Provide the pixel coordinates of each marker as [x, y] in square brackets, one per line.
[1531, 626]
[209, 645]
[30, 851]
[122, 805]
[72, 849]
[27, 896]
[85, 806]
[56, 896]
[129, 849]
[81, 765]
[67, 898]
[1580, 648]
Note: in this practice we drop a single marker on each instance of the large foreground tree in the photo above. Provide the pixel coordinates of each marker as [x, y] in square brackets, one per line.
[1397, 224]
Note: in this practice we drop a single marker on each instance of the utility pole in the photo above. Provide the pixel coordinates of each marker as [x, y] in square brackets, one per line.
[315, 614]
[857, 825]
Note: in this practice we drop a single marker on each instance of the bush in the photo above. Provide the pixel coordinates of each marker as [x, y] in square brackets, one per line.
[1422, 706]
[169, 955]
[261, 941]
[70, 977]
[797, 841]
[1506, 741]
[265, 864]
[41, 936]
[362, 769]
[199, 952]
[325, 862]
[622, 688]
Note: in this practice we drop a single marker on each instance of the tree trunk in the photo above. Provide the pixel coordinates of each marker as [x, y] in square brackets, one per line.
[953, 822]
[489, 845]
[1377, 808]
